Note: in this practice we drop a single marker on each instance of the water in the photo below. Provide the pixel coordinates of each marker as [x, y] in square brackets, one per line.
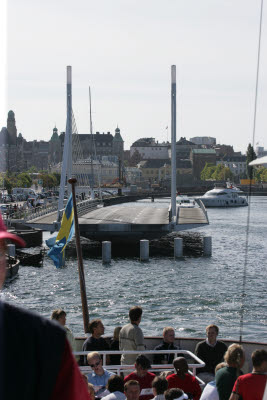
[187, 294]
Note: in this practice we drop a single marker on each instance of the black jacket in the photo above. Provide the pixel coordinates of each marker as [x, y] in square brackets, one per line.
[31, 351]
[168, 358]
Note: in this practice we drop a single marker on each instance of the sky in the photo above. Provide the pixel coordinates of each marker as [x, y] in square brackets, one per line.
[123, 50]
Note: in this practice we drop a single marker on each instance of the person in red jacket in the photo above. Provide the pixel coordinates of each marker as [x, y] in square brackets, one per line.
[141, 375]
[37, 348]
[183, 380]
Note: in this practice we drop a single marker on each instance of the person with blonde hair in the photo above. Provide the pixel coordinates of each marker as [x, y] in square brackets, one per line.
[226, 377]
[91, 390]
[60, 315]
[115, 359]
[100, 376]
[167, 344]
[253, 385]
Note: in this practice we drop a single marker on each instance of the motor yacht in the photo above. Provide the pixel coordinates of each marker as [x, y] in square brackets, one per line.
[224, 197]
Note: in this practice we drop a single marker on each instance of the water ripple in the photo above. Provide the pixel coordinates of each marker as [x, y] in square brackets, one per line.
[187, 294]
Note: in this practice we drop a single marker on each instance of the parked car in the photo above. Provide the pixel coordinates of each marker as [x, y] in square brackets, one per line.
[3, 208]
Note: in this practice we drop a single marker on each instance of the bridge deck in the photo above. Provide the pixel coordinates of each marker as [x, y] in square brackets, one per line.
[134, 221]
[191, 216]
[126, 215]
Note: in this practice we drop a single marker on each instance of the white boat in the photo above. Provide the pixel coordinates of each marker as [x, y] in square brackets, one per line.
[224, 197]
[185, 201]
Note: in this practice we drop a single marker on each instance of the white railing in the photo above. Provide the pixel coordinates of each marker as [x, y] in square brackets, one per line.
[158, 367]
[201, 205]
[83, 207]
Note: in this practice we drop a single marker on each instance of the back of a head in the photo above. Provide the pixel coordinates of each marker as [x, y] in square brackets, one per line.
[135, 313]
[175, 394]
[234, 355]
[115, 384]
[143, 362]
[116, 333]
[56, 314]
[160, 383]
[180, 365]
[258, 357]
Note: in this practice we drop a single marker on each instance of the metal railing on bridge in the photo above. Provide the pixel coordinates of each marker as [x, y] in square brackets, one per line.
[29, 214]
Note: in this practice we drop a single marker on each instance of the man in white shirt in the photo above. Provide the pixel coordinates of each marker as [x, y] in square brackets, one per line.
[131, 336]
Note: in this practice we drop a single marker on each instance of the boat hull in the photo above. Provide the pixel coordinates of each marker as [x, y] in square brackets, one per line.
[223, 203]
[12, 268]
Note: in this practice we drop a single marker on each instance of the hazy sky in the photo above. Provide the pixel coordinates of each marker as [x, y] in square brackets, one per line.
[124, 50]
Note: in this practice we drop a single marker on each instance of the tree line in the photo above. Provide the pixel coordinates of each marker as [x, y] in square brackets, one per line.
[8, 181]
[221, 173]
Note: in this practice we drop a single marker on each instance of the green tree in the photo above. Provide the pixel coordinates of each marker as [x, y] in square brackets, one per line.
[222, 173]
[8, 184]
[260, 174]
[207, 171]
[251, 155]
[24, 180]
[49, 180]
[33, 169]
[58, 177]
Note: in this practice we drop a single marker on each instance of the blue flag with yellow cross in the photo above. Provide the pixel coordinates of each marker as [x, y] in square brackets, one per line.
[58, 244]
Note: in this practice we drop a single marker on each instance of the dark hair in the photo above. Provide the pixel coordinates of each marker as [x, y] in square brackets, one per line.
[173, 393]
[160, 384]
[56, 314]
[93, 324]
[258, 357]
[143, 361]
[135, 313]
[130, 383]
[213, 326]
[115, 383]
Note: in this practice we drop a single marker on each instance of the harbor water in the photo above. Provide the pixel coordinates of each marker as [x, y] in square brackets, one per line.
[187, 294]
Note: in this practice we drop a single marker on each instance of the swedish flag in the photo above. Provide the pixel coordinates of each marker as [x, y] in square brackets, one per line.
[58, 244]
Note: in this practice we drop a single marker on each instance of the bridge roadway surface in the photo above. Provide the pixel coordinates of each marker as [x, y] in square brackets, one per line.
[118, 221]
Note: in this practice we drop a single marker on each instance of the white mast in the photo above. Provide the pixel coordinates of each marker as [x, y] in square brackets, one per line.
[66, 171]
[92, 143]
[173, 142]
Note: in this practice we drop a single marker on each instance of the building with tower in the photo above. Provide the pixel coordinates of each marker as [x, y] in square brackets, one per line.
[17, 154]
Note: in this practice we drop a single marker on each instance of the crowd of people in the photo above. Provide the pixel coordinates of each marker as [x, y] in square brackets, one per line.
[41, 353]
[222, 373]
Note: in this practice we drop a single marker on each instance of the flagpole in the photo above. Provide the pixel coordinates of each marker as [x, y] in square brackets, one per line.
[73, 181]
